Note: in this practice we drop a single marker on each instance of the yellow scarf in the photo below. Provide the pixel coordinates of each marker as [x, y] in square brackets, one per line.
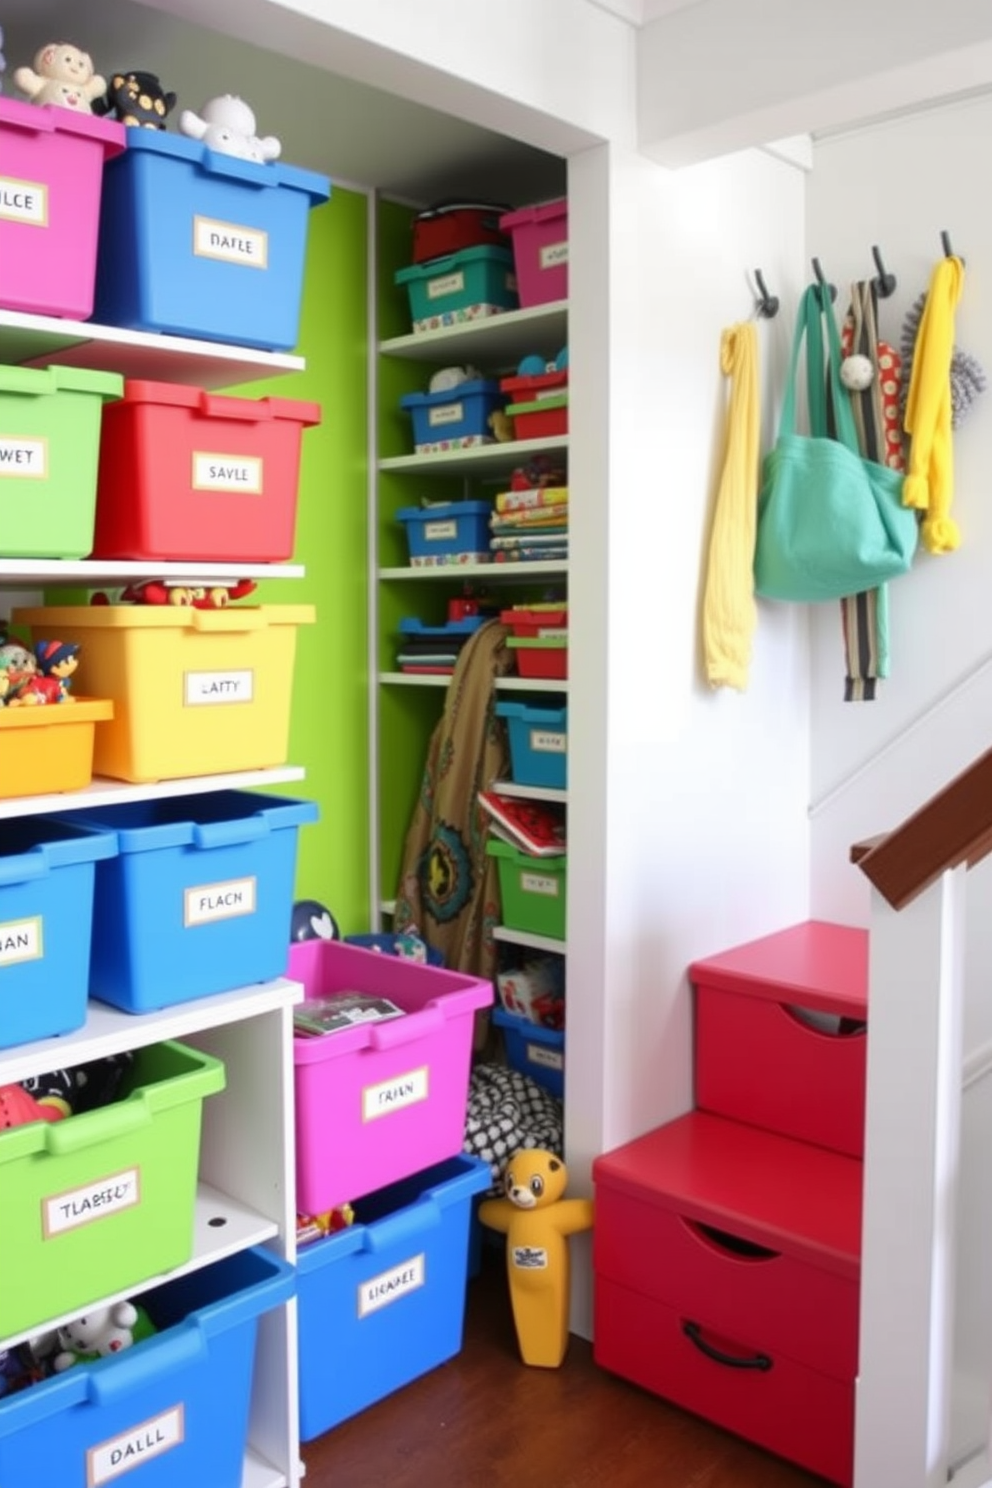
[929, 484]
[729, 611]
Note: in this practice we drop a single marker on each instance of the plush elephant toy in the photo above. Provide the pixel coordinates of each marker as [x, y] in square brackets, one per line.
[227, 124]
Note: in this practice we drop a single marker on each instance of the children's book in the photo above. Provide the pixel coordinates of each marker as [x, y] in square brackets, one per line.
[320, 1015]
[531, 497]
[534, 827]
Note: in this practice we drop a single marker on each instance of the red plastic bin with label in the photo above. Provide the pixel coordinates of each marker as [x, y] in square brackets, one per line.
[187, 475]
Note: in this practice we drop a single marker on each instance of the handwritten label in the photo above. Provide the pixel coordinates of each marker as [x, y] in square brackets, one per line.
[21, 940]
[395, 1095]
[539, 883]
[439, 531]
[26, 459]
[553, 254]
[389, 1286]
[530, 1257]
[227, 473]
[200, 689]
[552, 1059]
[219, 901]
[118, 1454]
[544, 742]
[448, 413]
[447, 284]
[23, 201]
[81, 1206]
[247, 246]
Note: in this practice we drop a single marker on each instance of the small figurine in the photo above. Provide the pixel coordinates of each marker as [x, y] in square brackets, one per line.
[227, 124]
[57, 660]
[19, 668]
[61, 74]
[537, 1221]
[317, 1226]
[136, 99]
[101, 1331]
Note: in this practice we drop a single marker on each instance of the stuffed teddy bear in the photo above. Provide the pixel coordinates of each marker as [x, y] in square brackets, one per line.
[537, 1221]
[101, 1331]
[227, 124]
[61, 74]
[136, 99]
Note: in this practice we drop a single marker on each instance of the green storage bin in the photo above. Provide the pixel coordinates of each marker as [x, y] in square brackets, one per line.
[532, 890]
[50, 420]
[103, 1201]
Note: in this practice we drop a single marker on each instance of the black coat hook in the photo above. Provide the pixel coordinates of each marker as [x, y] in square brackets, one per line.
[821, 281]
[884, 284]
[945, 241]
[767, 303]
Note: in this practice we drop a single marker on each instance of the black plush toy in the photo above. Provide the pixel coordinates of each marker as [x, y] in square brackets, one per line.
[136, 98]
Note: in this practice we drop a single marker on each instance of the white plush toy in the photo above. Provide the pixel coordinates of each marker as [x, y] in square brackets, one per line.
[227, 124]
[101, 1331]
[64, 75]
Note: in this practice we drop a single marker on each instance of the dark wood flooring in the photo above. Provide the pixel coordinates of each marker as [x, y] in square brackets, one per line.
[484, 1420]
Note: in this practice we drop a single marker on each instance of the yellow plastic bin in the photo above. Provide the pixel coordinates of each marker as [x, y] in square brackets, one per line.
[50, 748]
[195, 692]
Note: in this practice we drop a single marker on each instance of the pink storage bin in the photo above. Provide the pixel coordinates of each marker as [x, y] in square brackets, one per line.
[51, 178]
[540, 251]
[380, 1101]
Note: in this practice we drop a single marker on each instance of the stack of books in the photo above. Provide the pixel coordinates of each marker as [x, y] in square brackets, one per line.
[530, 524]
[533, 827]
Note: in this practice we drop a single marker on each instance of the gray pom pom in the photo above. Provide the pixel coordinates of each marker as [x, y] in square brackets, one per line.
[968, 379]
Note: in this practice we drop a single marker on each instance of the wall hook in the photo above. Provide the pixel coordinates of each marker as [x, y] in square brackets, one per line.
[945, 240]
[883, 283]
[830, 288]
[767, 303]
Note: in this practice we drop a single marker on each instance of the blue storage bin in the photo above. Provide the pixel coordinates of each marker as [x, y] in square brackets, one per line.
[469, 285]
[199, 898]
[175, 1406]
[533, 1050]
[388, 945]
[538, 744]
[452, 531]
[382, 1302]
[198, 243]
[455, 418]
[47, 872]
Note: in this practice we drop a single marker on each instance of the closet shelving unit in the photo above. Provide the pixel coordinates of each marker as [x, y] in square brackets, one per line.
[246, 1177]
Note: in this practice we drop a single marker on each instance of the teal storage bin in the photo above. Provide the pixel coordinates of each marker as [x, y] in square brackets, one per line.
[199, 899]
[47, 876]
[469, 285]
[198, 243]
[538, 739]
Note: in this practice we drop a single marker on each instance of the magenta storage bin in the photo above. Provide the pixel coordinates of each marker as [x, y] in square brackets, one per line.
[51, 178]
[380, 1101]
[540, 251]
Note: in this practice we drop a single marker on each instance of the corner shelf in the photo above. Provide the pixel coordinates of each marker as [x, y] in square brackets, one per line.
[493, 460]
[104, 792]
[505, 337]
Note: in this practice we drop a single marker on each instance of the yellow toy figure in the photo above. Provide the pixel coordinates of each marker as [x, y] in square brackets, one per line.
[537, 1221]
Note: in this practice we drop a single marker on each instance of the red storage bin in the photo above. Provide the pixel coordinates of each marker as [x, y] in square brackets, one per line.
[541, 418]
[449, 227]
[186, 475]
[522, 388]
[544, 620]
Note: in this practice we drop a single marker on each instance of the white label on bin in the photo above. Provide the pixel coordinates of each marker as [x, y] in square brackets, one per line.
[26, 458]
[539, 883]
[447, 284]
[389, 1286]
[248, 246]
[228, 473]
[544, 742]
[21, 940]
[23, 201]
[81, 1206]
[448, 413]
[440, 531]
[395, 1094]
[201, 688]
[530, 1257]
[219, 901]
[553, 254]
[118, 1454]
[551, 1059]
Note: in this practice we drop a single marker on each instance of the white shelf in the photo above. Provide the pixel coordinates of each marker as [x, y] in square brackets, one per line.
[498, 340]
[528, 792]
[41, 340]
[526, 938]
[103, 792]
[509, 573]
[257, 1473]
[89, 572]
[481, 459]
[503, 684]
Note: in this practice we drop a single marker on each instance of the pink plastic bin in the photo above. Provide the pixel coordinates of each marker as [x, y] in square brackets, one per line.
[51, 177]
[380, 1101]
[540, 251]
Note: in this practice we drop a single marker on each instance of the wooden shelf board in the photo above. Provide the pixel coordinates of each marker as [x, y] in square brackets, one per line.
[503, 684]
[508, 573]
[497, 340]
[481, 459]
[91, 572]
[527, 938]
[528, 792]
[103, 792]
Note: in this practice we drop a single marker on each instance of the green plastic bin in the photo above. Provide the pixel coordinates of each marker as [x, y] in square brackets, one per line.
[103, 1201]
[50, 421]
[533, 890]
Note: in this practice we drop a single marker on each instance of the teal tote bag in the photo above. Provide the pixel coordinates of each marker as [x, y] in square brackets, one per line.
[830, 522]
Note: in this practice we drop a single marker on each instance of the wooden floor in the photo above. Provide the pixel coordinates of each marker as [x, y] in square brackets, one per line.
[485, 1420]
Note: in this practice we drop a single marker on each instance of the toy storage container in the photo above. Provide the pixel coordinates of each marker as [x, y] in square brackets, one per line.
[469, 285]
[195, 692]
[199, 243]
[47, 874]
[456, 418]
[539, 418]
[49, 749]
[540, 251]
[198, 899]
[449, 532]
[174, 1407]
[379, 1101]
[382, 1302]
[51, 177]
[538, 737]
[103, 1200]
[451, 227]
[50, 421]
[532, 890]
[190, 475]
[541, 656]
[533, 1050]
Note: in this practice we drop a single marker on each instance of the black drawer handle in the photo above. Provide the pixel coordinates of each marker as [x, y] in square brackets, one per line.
[694, 1334]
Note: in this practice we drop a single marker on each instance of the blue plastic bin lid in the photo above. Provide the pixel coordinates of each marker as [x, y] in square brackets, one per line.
[216, 819]
[475, 387]
[434, 268]
[216, 163]
[468, 626]
[526, 713]
[445, 511]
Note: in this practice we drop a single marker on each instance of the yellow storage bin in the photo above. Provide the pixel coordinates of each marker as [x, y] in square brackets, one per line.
[195, 692]
[49, 748]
